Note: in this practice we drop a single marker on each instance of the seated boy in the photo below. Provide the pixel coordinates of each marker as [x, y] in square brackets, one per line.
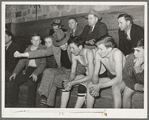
[51, 63]
[133, 77]
[31, 74]
[113, 60]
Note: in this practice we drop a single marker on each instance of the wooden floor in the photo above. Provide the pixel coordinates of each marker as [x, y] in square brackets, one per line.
[104, 101]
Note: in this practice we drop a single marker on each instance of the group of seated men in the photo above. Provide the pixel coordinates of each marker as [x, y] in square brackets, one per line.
[85, 57]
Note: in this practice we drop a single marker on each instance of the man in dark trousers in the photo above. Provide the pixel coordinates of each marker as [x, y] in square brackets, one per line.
[10, 60]
[95, 29]
[129, 33]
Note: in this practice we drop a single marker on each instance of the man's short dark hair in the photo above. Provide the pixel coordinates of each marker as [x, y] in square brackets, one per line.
[9, 33]
[73, 18]
[107, 41]
[126, 16]
[77, 41]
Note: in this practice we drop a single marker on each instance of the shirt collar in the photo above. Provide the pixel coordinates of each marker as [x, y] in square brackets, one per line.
[8, 44]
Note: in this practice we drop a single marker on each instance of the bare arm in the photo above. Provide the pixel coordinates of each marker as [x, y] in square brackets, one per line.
[90, 59]
[73, 68]
[118, 58]
[97, 68]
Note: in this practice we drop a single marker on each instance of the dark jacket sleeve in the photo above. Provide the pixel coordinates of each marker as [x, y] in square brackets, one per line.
[121, 40]
[102, 31]
[13, 61]
[84, 33]
[128, 74]
[140, 77]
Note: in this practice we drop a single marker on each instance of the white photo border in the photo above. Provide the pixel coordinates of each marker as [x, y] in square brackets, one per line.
[73, 113]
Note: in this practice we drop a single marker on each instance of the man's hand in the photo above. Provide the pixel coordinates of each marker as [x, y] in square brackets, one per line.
[139, 87]
[13, 76]
[138, 65]
[17, 54]
[65, 82]
[68, 86]
[94, 90]
[34, 77]
[138, 61]
[91, 41]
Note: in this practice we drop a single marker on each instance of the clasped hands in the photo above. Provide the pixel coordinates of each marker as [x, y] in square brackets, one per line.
[67, 84]
[94, 90]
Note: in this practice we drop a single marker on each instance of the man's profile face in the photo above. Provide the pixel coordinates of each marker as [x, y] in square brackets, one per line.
[122, 23]
[36, 41]
[92, 20]
[102, 50]
[56, 28]
[72, 24]
[139, 52]
[7, 38]
[74, 49]
[64, 46]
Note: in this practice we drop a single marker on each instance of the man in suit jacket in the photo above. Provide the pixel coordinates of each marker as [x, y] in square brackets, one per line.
[10, 61]
[53, 77]
[95, 29]
[10, 49]
[75, 29]
[129, 33]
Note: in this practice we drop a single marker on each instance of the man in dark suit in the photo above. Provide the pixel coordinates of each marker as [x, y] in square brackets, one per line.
[129, 33]
[10, 61]
[74, 28]
[95, 29]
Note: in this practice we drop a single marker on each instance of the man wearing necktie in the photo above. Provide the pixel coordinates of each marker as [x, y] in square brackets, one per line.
[74, 28]
[94, 30]
[129, 33]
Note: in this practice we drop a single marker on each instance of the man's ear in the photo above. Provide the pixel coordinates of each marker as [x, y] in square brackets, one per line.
[10, 37]
[96, 18]
[80, 47]
[110, 49]
[128, 22]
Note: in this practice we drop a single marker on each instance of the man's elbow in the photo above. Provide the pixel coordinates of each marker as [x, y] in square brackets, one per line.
[119, 79]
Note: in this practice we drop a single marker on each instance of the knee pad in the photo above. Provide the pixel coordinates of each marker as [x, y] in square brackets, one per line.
[81, 91]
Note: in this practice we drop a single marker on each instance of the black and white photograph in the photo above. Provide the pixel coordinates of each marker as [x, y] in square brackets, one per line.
[74, 59]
